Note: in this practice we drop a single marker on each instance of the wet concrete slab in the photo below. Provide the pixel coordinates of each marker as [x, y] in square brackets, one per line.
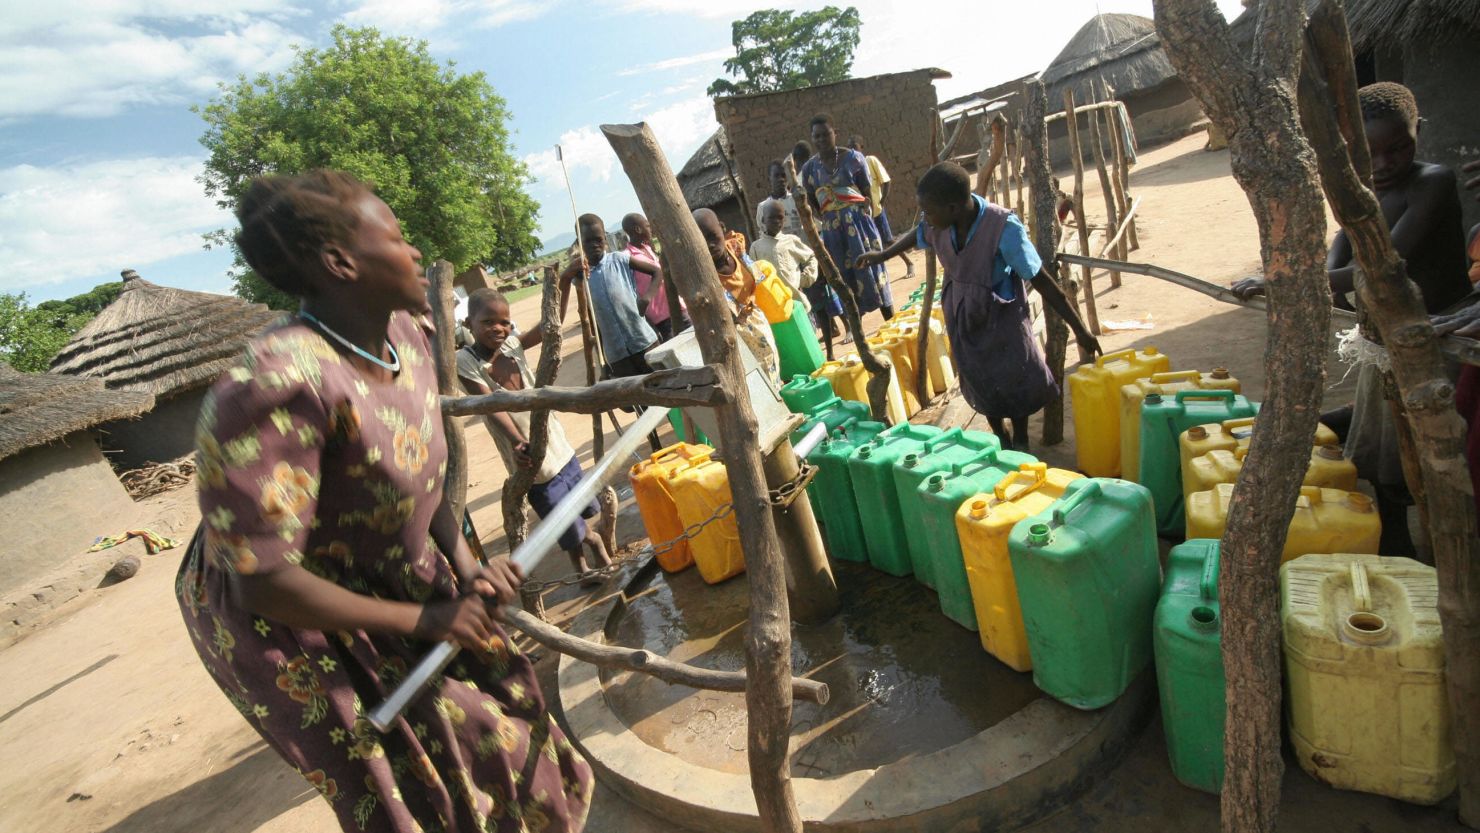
[905, 680]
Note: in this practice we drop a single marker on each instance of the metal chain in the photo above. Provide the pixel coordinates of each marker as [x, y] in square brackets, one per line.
[782, 496]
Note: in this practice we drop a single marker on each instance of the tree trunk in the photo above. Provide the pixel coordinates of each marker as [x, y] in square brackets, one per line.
[1076, 153]
[519, 481]
[1271, 160]
[1392, 303]
[1044, 205]
[444, 355]
[768, 632]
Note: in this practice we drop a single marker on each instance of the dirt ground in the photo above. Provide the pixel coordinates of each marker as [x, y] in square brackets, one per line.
[108, 722]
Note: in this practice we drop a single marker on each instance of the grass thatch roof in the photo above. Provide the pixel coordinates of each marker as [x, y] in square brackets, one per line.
[704, 180]
[1123, 50]
[1378, 22]
[38, 408]
[162, 340]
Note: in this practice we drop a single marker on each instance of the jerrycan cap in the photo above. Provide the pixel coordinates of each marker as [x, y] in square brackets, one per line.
[1197, 432]
[1153, 398]
[936, 482]
[1366, 627]
[1203, 618]
[911, 460]
[978, 509]
[1358, 502]
[1219, 373]
[1151, 351]
[865, 450]
[1329, 452]
[1040, 535]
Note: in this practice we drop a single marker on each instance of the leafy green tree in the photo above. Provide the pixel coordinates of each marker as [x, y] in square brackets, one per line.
[434, 142]
[31, 336]
[87, 304]
[784, 50]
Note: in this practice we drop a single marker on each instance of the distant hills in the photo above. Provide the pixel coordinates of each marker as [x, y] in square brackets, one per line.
[558, 243]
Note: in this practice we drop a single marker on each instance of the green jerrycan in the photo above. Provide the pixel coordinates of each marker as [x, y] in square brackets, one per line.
[796, 343]
[1189, 664]
[1087, 577]
[872, 468]
[938, 454]
[832, 490]
[803, 393]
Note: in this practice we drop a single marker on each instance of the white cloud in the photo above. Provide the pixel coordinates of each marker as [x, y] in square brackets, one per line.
[682, 61]
[734, 9]
[59, 223]
[586, 152]
[422, 17]
[110, 57]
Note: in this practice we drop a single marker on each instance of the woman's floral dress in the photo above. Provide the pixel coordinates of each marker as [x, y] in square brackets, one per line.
[847, 228]
[302, 461]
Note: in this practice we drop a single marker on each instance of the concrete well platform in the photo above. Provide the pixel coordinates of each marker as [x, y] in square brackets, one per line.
[924, 730]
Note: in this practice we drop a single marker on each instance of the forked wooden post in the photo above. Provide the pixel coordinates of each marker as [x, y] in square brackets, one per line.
[1123, 177]
[993, 143]
[519, 481]
[768, 632]
[591, 350]
[444, 340]
[1076, 153]
[1112, 211]
[927, 304]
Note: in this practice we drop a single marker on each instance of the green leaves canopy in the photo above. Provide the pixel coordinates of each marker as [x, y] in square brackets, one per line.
[434, 142]
[30, 337]
[783, 50]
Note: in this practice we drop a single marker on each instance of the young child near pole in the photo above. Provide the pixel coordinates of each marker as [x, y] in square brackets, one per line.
[495, 360]
[990, 263]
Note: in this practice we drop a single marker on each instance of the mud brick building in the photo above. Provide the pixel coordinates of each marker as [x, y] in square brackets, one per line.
[891, 112]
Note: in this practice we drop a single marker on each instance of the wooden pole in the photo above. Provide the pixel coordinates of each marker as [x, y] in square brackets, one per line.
[1112, 213]
[1019, 163]
[1004, 178]
[1076, 153]
[992, 150]
[1039, 173]
[445, 357]
[1123, 174]
[1249, 96]
[876, 363]
[768, 632]
[519, 481]
[746, 211]
[1122, 207]
[1333, 119]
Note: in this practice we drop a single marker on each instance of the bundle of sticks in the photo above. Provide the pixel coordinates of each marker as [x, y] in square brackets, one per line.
[159, 477]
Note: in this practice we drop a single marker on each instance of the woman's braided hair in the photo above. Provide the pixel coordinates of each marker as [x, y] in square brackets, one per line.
[286, 220]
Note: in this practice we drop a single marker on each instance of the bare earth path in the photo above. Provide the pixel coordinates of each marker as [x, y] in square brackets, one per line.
[109, 723]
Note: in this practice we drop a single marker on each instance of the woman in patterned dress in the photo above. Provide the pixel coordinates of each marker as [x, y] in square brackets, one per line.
[327, 560]
[837, 185]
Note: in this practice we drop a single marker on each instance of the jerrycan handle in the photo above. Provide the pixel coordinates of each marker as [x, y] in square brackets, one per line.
[1039, 471]
[1312, 495]
[1361, 588]
[1231, 425]
[1071, 502]
[1176, 376]
[1209, 585]
[1183, 395]
[1127, 353]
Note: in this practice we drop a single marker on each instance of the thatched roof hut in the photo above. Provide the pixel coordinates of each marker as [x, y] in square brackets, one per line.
[1123, 53]
[58, 492]
[168, 342]
[162, 340]
[706, 182]
[40, 408]
[1122, 50]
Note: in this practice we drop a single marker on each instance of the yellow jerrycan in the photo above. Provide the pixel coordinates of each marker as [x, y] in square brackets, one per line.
[849, 380]
[772, 295]
[1229, 435]
[1094, 390]
[1165, 384]
[983, 522]
[1325, 520]
[901, 355]
[1327, 469]
[937, 359]
[1364, 666]
[701, 486]
[653, 492]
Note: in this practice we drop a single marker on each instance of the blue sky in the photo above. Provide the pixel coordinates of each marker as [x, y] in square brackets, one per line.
[99, 149]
